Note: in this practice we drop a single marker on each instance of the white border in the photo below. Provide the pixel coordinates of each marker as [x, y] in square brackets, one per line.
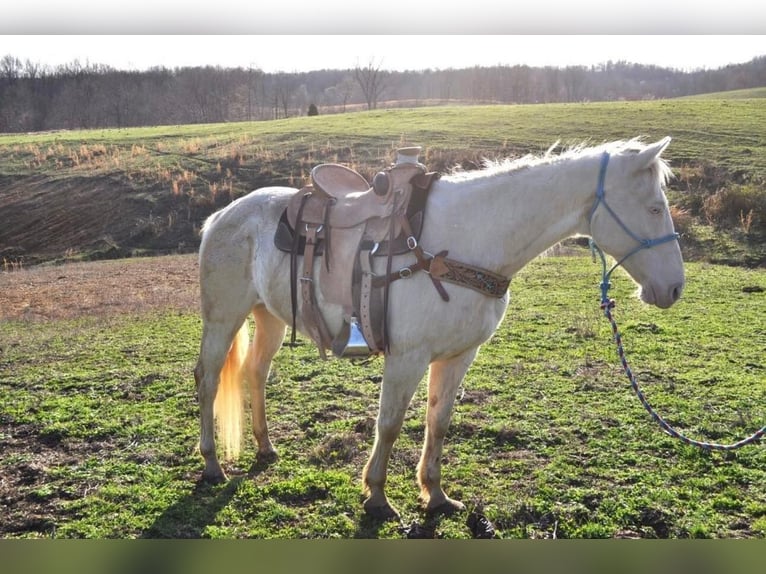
[382, 17]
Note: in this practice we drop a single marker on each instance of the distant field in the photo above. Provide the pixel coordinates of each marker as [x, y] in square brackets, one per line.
[726, 131]
[731, 95]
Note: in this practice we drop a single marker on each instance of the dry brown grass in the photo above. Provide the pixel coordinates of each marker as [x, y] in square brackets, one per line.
[100, 288]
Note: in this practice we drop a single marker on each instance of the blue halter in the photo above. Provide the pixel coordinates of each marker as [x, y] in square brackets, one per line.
[642, 243]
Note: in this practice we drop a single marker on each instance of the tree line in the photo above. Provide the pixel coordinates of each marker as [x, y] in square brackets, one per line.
[36, 97]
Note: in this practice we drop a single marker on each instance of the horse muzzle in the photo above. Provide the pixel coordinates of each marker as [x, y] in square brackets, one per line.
[662, 297]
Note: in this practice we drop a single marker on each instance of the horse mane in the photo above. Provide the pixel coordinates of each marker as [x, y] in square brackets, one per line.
[491, 167]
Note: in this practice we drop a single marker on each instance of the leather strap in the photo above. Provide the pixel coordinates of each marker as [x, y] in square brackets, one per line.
[327, 231]
[440, 268]
[424, 262]
[312, 318]
[476, 278]
[365, 301]
[294, 265]
[451, 271]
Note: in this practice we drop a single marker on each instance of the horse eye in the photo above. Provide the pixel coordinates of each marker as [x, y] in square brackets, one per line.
[654, 210]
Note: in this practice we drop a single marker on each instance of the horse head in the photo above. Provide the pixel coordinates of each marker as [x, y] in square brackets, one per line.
[630, 220]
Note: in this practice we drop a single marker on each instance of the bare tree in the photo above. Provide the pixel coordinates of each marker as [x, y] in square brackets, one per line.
[10, 69]
[575, 79]
[254, 78]
[282, 93]
[36, 97]
[372, 82]
[345, 89]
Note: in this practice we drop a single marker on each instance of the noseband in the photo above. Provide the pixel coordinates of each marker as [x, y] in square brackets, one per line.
[595, 249]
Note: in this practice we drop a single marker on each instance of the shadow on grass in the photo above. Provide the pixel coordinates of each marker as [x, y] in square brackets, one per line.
[424, 526]
[369, 527]
[191, 514]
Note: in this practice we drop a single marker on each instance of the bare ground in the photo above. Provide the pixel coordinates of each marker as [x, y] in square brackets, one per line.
[99, 288]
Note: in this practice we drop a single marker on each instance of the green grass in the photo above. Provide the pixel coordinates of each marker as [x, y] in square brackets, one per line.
[547, 439]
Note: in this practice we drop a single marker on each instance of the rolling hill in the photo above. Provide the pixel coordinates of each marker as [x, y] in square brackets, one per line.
[79, 195]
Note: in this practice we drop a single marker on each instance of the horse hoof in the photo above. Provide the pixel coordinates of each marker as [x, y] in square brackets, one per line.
[214, 477]
[263, 460]
[266, 458]
[446, 508]
[382, 513]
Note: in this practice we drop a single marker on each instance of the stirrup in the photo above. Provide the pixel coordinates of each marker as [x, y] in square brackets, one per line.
[350, 342]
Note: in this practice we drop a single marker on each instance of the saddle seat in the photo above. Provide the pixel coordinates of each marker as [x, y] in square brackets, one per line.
[351, 199]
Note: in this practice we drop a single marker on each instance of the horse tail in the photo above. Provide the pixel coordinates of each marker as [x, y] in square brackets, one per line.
[229, 400]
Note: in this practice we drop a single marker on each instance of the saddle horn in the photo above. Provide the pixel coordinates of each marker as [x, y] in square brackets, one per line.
[408, 155]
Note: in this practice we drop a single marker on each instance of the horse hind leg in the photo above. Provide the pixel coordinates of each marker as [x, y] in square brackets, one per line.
[267, 340]
[222, 347]
[443, 382]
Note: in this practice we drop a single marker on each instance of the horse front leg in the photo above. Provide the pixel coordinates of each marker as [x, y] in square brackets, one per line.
[443, 382]
[400, 379]
[269, 334]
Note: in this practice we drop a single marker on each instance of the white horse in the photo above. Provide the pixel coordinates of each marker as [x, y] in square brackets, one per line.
[499, 218]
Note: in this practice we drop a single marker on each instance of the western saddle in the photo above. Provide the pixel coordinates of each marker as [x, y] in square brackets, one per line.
[342, 218]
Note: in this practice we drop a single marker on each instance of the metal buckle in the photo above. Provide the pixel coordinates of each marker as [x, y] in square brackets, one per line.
[412, 243]
[405, 273]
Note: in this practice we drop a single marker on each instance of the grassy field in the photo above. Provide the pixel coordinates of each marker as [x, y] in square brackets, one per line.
[748, 93]
[98, 419]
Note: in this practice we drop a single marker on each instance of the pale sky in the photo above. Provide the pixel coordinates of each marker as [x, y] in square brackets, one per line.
[383, 17]
[413, 52]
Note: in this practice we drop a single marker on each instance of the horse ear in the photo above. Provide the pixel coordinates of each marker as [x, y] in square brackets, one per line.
[650, 154]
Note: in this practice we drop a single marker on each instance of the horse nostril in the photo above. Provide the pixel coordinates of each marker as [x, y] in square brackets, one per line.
[676, 292]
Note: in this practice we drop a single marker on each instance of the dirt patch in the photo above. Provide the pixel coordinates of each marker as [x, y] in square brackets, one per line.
[29, 497]
[100, 288]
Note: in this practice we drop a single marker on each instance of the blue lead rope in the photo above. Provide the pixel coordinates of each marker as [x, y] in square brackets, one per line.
[608, 304]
